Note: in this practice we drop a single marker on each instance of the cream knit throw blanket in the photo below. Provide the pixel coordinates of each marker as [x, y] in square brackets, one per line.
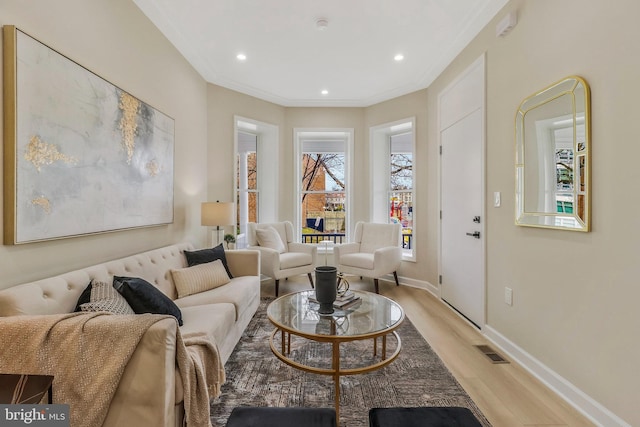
[202, 375]
[87, 354]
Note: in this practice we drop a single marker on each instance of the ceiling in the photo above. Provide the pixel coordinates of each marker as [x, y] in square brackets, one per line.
[290, 60]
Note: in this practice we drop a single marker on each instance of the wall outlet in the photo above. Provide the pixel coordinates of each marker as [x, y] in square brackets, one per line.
[508, 296]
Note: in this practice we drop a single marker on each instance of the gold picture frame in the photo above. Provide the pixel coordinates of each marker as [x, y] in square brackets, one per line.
[81, 155]
[553, 157]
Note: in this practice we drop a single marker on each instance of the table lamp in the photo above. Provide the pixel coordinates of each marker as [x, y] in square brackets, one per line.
[216, 214]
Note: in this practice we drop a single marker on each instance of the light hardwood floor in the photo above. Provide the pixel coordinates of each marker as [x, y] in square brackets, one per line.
[506, 393]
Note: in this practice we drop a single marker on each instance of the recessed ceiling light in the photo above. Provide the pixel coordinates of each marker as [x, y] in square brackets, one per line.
[241, 57]
[322, 24]
[399, 57]
[325, 92]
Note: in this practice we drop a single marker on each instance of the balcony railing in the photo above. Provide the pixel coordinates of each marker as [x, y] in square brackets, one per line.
[337, 238]
[319, 237]
[406, 240]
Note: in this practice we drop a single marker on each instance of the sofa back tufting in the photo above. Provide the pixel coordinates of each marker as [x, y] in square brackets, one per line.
[59, 294]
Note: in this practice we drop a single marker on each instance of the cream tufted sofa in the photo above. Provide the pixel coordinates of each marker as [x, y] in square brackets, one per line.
[150, 391]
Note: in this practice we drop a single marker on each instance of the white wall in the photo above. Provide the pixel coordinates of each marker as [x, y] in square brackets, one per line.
[575, 294]
[115, 40]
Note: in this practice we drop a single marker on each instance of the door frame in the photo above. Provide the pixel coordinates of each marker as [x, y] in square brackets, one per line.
[480, 62]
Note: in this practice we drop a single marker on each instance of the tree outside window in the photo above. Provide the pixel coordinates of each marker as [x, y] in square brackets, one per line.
[323, 197]
[401, 187]
[247, 181]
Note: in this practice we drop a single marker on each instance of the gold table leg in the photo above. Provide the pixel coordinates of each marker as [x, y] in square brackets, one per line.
[384, 347]
[336, 371]
[336, 377]
[282, 342]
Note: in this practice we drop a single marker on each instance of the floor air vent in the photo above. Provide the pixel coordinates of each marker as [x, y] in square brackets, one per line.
[493, 356]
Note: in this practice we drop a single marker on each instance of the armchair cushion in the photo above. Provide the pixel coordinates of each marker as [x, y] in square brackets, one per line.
[358, 260]
[268, 237]
[294, 259]
[302, 247]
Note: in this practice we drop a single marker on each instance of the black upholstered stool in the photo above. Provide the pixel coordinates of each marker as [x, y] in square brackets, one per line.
[422, 417]
[282, 417]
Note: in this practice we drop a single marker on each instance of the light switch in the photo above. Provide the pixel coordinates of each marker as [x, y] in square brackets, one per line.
[508, 296]
[496, 199]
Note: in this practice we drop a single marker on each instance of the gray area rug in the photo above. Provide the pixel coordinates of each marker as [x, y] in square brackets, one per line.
[255, 377]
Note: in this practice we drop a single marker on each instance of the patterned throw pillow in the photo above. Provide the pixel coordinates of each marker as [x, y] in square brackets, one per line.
[200, 278]
[105, 298]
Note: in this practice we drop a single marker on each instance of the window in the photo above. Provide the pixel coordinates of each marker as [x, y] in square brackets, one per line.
[247, 180]
[256, 184]
[401, 185]
[323, 190]
[392, 178]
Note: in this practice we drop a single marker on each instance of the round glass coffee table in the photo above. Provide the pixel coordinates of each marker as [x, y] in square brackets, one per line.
[375, 316]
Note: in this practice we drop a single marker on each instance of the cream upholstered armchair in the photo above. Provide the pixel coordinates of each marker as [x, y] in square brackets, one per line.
[376, 251]
[280, 256]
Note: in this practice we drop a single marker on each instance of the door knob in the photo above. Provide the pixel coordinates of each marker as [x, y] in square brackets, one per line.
[475, 234]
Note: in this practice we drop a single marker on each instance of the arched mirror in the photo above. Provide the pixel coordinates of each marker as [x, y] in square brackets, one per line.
[553, 157]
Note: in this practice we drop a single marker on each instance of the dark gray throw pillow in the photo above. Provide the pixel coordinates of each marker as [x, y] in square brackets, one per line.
[143, 297]
[208, 255]
[85, 297]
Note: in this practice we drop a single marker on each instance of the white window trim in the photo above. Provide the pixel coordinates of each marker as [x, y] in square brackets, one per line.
[379, 171]
[268, 156]
[298, 138]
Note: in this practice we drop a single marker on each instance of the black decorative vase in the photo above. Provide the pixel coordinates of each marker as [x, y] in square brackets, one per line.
[326, 289]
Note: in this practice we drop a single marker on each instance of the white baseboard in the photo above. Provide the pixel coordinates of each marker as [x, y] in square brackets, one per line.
[422, 284]
[586, 405]
[591, 409]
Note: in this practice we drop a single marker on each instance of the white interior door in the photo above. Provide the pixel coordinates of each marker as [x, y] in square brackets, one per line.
[462, 238]
[462, 194]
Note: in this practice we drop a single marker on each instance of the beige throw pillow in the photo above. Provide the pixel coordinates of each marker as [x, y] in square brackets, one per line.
[268, 237]
[199, 278]
[104, 297]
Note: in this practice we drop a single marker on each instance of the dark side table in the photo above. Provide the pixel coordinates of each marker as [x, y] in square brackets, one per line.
[25, 389]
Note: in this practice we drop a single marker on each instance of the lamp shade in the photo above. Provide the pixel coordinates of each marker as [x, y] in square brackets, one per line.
[218, 213]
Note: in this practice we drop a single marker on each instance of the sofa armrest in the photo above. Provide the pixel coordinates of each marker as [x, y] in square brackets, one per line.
[146, 393]
[269, 260]
[243, 262]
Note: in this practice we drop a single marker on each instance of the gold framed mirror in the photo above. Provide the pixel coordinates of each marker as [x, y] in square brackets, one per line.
[553, 157]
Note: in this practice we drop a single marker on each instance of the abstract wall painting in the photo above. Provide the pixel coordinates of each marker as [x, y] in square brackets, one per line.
[81, 156]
